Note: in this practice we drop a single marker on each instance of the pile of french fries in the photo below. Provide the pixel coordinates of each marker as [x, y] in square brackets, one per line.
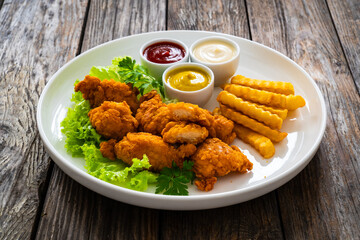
[258, 109]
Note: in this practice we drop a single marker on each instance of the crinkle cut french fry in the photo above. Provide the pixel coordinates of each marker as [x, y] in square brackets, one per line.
[282, 113]
[270, 86]
[254, 125]
[261, 143]
[294, 102]
[216, 111]
[276, 100]
[250, 109]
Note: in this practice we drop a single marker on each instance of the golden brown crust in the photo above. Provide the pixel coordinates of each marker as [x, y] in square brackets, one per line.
[113, 120]
[97, 91]
[215, 158]
[205, 184]
[183, 132]
[107, 149]
[160, 153]
[152, 114]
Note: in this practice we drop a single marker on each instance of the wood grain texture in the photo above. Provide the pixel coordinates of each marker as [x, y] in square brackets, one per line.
[256, 219]
[346, 17]
[32, 34]
[110, 20]
[72, 211]
[210, 15]
[92, 216]
[322, 202]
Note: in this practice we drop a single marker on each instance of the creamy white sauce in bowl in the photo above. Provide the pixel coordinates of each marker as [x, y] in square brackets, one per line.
[214, 51]
[220, 54]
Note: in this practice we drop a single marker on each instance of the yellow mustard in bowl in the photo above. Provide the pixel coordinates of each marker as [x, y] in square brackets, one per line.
[188, 78]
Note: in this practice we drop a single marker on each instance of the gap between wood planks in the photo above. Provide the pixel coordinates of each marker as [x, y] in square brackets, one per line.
[78, 52]
[1, 3]
[42, 196]
[342, 46]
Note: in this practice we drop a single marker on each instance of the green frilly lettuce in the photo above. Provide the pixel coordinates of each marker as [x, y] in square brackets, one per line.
[117, 172]
[77, 128]
[83, 141]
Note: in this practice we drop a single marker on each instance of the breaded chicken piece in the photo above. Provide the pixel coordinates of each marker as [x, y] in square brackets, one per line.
[156, 122]
[113, 120]
[107, 149]
[152, 114]
[190, 112]
[183, 132]
[97, 91]
[206, 184]
[224, 127]
[218, 126]
[214, 158]
[160, 153]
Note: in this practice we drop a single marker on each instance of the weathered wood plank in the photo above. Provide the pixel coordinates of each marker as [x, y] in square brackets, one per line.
[90, 215]
[110, 20]
[256, 219]
[323, 201]
[71, 211]
[210, 15]
[346, 17]
[32, 34]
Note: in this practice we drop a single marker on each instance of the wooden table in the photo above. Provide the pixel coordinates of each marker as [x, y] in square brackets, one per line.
[39, 201]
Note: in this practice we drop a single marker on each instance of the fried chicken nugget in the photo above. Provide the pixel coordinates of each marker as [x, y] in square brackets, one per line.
[290, 102]
[190, 112]
[113, 120]
[214, 158]
[97, 91]
[261, 143]
[285, 88]
[183, 132]
[160, 153]
[224, 129]
[254, 125]
[250, 109]
[153, 114]
[107, 149]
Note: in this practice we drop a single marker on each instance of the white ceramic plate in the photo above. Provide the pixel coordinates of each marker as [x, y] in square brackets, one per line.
[305, 126]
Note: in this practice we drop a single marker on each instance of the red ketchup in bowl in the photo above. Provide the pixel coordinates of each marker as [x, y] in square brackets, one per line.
[164, 52]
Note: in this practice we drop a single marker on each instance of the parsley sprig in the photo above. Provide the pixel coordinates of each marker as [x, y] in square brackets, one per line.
[133, 73]
[173, 181]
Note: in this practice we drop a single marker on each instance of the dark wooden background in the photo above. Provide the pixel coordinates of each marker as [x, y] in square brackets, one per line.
[38, 201]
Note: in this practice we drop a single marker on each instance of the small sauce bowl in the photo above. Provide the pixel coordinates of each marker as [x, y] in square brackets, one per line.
[226, 67]
[199, 97]
[156, 69]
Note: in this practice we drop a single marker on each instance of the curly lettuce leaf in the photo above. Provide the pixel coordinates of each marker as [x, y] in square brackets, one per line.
[102, 73]
[77, 128]
[117, 172]
[125, 69]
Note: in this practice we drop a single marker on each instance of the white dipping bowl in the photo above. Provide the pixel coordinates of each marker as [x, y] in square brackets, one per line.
[223, 70]
[198, 97]
[156, 69]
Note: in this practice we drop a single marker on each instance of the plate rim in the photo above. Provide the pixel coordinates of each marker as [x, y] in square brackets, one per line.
[258, 189]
